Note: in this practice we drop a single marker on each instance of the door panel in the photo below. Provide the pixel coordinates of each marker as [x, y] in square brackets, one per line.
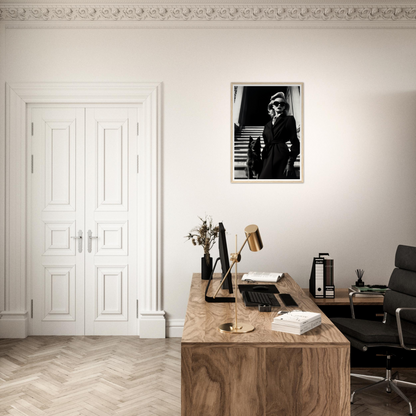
[111, 216]
[112, 165]
[112, 238]
[60, 165]
[57, 201]
[84, 182]
[60, 296]
[112, 284]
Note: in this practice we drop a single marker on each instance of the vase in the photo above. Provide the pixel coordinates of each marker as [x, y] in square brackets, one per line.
[206, 267]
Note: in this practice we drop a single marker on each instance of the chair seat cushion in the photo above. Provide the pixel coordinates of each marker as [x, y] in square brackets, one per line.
[367, 331]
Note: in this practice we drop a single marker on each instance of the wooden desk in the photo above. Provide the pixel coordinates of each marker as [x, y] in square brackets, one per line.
[265, 372]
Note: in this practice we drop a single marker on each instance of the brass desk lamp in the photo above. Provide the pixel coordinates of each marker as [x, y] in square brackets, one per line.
[255, 244]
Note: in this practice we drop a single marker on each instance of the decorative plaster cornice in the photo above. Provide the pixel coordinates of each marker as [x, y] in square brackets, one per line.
[292, 13]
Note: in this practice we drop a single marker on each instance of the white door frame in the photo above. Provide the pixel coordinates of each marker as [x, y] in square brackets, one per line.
[16, 313]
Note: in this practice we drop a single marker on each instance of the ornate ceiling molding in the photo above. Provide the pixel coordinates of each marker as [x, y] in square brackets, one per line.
[292, 13]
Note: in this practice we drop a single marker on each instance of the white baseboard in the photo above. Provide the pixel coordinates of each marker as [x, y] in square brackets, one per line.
[175, 328]
[14, 324]
[152, 324]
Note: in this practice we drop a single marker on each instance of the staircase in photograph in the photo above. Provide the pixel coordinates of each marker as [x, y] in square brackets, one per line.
[241, 140]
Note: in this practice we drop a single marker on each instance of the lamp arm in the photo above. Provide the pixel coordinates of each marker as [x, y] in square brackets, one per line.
[232, 265]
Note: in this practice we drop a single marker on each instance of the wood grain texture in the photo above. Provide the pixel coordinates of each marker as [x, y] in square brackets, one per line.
[263, 373]
[325, 387]
[89, 376]
[202, 319]
[284, 384]
[146, 384]
[342, 299]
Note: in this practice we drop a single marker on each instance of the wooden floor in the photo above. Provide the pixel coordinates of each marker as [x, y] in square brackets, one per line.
[94, 376]
[99, 376]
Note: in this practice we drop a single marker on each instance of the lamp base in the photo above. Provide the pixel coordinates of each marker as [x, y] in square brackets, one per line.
[243, 328]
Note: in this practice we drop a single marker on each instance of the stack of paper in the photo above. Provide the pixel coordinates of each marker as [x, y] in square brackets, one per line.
[296, 322]
[262, 277]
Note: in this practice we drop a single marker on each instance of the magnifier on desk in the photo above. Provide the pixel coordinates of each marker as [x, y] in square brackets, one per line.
[253, 239]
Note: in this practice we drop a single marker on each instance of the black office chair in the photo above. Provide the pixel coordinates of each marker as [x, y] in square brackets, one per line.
[398, 329]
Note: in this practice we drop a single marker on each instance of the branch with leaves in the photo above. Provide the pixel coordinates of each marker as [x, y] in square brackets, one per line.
[204, 235]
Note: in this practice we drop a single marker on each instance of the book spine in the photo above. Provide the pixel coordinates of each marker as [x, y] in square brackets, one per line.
[291, 322]
[300, 325]
[313, 322]
[295, 330]
[309, 327]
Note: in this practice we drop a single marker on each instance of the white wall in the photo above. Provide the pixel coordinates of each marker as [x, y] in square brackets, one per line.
[358, 200]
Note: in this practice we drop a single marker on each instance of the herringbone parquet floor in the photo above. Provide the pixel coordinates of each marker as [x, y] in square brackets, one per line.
[121, 376]
[90, 376]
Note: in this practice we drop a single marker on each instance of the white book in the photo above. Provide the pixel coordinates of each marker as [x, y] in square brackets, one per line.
[296, 318]
[262, 277]
[296, 330]
[297, 324]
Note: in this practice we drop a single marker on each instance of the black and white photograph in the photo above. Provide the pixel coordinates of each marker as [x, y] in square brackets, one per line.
[267, 132]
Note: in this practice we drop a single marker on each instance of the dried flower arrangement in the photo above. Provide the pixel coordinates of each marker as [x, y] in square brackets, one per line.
[204, 235]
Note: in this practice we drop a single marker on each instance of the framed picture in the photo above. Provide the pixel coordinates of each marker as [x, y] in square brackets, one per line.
[267, 132]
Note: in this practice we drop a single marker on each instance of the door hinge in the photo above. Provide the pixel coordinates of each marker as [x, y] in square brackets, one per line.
[138, 164]
[32, 129]
[32, 164]
[31, 308]
[138, 128]
[137, 308]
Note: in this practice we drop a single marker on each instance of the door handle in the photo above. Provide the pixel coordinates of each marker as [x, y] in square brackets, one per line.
[79, 238]
[90, 237]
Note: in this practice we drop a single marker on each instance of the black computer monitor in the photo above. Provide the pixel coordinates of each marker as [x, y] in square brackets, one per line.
[224, 259]
[225, 265]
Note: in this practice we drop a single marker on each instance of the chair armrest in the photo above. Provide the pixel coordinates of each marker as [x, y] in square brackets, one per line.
[352, 294]
[399, 327]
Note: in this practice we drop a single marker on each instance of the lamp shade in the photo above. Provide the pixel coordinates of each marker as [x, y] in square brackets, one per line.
[254, 238]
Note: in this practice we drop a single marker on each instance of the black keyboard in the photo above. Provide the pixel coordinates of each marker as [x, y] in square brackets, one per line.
[258, 298]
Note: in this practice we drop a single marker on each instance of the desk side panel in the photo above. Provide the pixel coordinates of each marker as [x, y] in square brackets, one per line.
[205, 387]
[284, 381]
[326, 381]
[266, 381]
[223, 381]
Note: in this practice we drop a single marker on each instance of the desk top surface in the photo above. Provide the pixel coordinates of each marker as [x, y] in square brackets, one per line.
[203, 318]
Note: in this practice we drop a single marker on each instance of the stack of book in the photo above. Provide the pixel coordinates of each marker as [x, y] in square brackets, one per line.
[368, 291]
[296, 322]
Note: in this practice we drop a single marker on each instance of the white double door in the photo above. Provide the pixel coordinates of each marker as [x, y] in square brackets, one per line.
[83, 220]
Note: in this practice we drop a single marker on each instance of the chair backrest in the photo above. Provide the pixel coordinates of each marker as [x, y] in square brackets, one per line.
[402, 285]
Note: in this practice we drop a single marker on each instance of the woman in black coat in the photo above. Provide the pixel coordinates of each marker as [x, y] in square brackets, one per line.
[278, 160]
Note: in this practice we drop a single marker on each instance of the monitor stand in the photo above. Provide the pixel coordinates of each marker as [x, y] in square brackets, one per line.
[217, 299]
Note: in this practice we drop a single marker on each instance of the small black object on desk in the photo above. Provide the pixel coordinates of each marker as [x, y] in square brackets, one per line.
[258, 288]
[259, 298]
[287, 299]
[360, 274]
